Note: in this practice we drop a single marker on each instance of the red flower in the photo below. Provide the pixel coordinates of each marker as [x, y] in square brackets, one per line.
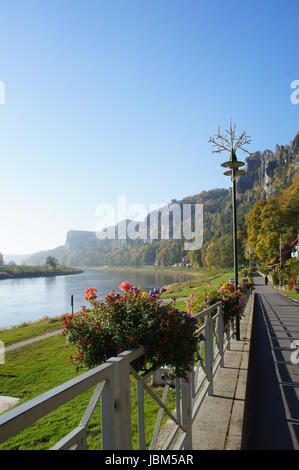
[112, 296]
[130, 338]
[90, 293]
[125, 286]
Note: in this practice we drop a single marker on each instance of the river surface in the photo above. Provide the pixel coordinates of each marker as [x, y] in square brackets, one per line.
[23, 300]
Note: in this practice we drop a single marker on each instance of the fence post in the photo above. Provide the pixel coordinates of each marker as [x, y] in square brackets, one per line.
[220, 334]
[108, 419]
[82, 444]
[178, 399]
[209, 351]
[122, 412]
[187, 411]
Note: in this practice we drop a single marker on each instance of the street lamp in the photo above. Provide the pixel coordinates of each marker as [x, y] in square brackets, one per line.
[250, 253]
[231, 143]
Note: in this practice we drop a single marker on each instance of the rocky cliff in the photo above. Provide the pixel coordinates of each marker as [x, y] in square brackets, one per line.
[269, 171]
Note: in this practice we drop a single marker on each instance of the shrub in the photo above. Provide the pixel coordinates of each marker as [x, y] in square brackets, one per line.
[233, 303]
[127, 321]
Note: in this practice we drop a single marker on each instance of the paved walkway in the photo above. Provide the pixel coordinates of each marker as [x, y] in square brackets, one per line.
[219, 422]
[272, 398]
[20, 344]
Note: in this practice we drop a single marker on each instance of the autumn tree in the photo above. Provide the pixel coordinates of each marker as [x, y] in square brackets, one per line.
[272, 223]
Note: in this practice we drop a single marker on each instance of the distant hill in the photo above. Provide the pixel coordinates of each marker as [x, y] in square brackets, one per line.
[267, 173]
[17, 259]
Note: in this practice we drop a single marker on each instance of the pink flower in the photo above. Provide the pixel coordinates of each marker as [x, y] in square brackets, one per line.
[125, 286]
[90, 293]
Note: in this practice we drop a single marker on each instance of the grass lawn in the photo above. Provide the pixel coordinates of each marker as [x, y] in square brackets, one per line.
[181, 305]
[291, 294]
[29, 330]
[34, 369]
[214, 278]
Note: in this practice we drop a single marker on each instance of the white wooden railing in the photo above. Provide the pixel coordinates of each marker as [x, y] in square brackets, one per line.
[112, 381]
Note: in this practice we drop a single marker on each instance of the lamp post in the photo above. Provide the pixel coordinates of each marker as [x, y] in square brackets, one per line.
[231, 143]
[250, 252]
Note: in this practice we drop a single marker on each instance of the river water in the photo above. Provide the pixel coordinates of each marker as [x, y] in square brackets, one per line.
[23, 300]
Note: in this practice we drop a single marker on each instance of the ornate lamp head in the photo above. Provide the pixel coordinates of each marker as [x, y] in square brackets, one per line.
[230, 143]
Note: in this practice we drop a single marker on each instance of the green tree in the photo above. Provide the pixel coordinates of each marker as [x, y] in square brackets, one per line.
[1, 259]
[220, 252]
[51, 261]
[273, 221]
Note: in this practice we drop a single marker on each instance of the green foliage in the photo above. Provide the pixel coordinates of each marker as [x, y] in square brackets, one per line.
[272, 220]
[170, 253]
[51, 261]
[15, 271]
[220, 252]
[232, 301]
[128, 321]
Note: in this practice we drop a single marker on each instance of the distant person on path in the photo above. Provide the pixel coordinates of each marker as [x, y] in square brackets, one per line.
[266, 280]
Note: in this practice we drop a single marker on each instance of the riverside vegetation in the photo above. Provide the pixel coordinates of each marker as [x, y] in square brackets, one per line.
[50, 268]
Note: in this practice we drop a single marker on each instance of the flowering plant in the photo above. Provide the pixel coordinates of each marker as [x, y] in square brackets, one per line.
[128, 320]
[233, 303]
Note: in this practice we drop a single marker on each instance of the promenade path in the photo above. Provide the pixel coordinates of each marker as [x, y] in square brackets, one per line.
[26, 342]
[271, 418]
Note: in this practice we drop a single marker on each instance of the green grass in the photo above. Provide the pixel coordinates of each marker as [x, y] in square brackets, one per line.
[181, 305]
[30, 330]
[291, 294]
[37, 368]
[214, 278]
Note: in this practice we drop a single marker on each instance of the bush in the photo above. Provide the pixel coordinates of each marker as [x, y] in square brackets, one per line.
[275, 278]
[233, 303]
[127, 321]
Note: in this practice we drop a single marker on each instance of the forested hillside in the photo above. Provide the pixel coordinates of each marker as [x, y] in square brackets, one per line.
[272, 223]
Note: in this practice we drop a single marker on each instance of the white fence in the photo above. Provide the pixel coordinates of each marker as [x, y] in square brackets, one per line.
[112, 381]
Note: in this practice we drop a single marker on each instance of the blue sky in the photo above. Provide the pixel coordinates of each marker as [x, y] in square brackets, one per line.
[108, 98]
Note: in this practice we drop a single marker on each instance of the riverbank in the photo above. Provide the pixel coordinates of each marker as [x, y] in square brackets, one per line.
[24, 272]
[179, 271]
